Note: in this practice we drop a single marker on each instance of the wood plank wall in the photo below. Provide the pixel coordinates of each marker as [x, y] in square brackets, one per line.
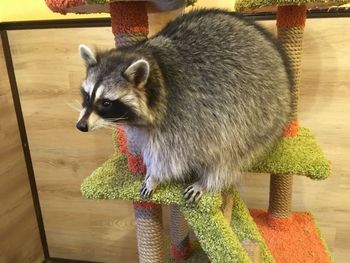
[19, 233]
[49, 72]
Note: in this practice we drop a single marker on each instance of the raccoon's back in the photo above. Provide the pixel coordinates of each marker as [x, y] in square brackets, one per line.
[227, 83]
[208, 44]
[215, 36]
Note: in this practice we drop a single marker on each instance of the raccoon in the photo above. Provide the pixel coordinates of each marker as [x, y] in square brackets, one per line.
[207, 95]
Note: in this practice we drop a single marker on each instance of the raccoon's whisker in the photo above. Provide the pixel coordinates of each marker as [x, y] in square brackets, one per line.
[122, 118]
[75, 106]
[109, 127]
[115, 119]
[112, 124]
[97, 126]
[101, 123]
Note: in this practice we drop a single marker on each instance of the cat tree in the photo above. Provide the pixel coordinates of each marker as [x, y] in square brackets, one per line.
[226, 230]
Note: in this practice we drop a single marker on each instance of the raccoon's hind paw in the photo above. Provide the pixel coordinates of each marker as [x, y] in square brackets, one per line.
[193, 193]
[148, 187]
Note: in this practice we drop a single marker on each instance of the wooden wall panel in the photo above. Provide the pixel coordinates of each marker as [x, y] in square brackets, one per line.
[49, 72]
[19, 233]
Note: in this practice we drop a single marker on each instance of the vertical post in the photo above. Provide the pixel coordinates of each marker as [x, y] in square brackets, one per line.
[180, 247]
[280, 195]
[290, 27]
[149, 232]
[129, 25]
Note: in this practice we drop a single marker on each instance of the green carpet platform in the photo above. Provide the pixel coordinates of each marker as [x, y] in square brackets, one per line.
[299, 155]
[225, 228]
[113, 180]
[271, 5]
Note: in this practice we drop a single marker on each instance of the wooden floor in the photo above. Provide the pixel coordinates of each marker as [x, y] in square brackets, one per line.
[49, 72]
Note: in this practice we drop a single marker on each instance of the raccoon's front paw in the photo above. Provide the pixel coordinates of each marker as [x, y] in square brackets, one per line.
[193, 193]
[147, 188]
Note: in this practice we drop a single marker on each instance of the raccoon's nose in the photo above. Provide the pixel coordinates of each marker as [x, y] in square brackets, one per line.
[82, 126]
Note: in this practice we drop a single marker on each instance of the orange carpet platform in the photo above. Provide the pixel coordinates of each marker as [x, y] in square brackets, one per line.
[294, 240]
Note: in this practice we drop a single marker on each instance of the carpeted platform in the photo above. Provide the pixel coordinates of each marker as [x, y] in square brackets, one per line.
[114, 181]
[251, 5]
[299, 155]
[296, 240]
[292, 240]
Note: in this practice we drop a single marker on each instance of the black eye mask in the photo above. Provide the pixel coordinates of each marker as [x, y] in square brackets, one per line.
[115, 110]
[86, 98]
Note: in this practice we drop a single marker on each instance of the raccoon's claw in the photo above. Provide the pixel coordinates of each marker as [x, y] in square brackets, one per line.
[147, 188]
[193, 193]
[144, 192]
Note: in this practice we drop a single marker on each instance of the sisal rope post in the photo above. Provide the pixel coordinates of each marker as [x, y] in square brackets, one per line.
[129, 25]
[149, 230]
[180, 246]
[290, 27]
[280, 195]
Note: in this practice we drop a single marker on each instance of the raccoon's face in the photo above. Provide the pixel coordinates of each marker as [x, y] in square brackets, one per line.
[113, 91]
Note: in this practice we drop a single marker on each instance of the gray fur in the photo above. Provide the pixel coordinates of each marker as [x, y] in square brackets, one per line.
[222, 97]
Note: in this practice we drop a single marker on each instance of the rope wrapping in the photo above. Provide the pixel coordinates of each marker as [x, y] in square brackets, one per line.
[290, 28]
[280, 195]
[180, 247]
[291, 40]
[149, 230]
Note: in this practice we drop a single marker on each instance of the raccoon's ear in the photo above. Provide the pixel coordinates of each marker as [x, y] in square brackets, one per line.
[137, 72]
[87, 55]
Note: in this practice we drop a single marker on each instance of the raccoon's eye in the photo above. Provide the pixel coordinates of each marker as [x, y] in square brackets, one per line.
[106, 103]
[86, 96]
